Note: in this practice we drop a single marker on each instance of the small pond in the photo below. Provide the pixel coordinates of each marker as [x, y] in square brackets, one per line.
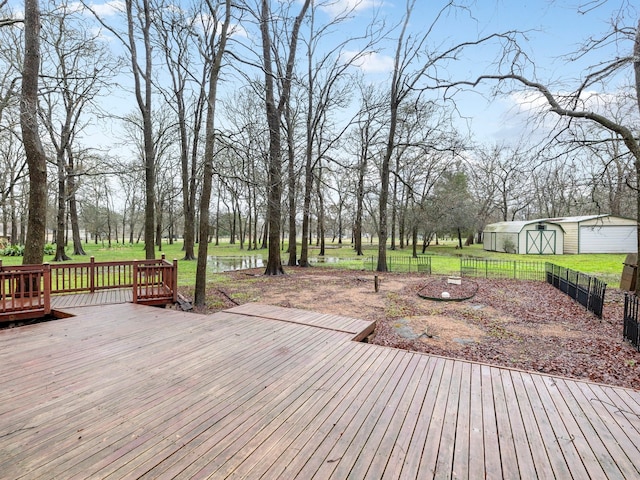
[217, 264]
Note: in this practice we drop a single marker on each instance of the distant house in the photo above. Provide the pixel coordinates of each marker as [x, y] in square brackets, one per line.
[525, 237]
[555, 236]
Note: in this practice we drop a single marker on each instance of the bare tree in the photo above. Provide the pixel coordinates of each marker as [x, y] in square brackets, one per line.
[505, 174]
[411, 76]
[248, 145]
[9, 20]
[327, 91]
[216, 46]
[275, 111]
[366, 135]
[79, 68]
[13, 164]
[137, 42]
[187, 60]
[578, 104]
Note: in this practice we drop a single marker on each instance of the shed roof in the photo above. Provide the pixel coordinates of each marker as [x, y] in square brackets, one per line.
[586, 218]
[577, 219]
[515, 226]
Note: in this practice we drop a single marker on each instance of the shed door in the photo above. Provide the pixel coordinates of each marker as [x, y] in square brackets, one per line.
[493, 241]
[608, 239]
[541, 242]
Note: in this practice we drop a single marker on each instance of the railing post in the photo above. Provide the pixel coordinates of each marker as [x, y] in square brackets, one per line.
[135, 281]
[92, 275]
[46, 281]
[174, 275]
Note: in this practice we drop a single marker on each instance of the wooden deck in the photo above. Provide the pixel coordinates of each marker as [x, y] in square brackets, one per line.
[129, 391]
[101, 297]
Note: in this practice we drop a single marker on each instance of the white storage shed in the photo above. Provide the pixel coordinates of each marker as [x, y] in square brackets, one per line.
[525, 237]
[599, 234]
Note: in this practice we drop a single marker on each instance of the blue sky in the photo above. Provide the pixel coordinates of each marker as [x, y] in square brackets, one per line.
[552, 29]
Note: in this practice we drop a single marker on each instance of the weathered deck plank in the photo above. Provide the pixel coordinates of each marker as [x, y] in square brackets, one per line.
[100, 297]
[127, 391]
[333, 322]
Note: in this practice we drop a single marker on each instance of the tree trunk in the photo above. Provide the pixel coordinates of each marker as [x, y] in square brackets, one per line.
[306, 210]
[414, 241]
[293, 247]
[61, 255]
[394, 209]
[274, 115]
[636, 71]
[36, 158]
[205, 199]
[73, 211]
[357, 228]
[142, 73]
[321, 230]
[274, 188]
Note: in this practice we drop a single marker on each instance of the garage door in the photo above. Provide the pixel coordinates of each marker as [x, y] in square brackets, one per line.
[608, 239]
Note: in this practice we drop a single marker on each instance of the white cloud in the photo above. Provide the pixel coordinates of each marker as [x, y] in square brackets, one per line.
[340, 7]
[109, 8]
[205, 21]
[369, 62]
[532, 101]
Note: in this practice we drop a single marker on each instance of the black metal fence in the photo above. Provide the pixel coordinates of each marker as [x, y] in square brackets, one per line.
[587, 290]
[397, 263]
[631, 331]
[492, 268]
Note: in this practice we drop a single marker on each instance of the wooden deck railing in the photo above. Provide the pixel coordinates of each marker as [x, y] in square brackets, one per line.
[24, 293]
[25, 290]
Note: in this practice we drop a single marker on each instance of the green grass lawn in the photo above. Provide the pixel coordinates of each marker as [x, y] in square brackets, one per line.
[445, 257]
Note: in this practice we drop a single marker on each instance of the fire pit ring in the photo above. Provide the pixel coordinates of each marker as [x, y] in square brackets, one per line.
[448, 289]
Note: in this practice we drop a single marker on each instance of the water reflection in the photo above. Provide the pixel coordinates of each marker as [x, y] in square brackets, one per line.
[218, 264]
[226, 264]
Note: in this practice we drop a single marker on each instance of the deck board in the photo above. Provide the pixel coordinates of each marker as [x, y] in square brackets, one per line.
[128, 391]
[303, 317]
[100, 297]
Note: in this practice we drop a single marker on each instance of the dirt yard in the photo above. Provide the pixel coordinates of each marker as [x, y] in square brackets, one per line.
[525, 325]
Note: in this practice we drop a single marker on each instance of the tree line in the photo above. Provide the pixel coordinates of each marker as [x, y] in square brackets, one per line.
[257, 120]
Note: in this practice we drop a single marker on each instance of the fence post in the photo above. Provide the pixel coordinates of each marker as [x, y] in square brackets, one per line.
[515, 266]
[92, 275]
